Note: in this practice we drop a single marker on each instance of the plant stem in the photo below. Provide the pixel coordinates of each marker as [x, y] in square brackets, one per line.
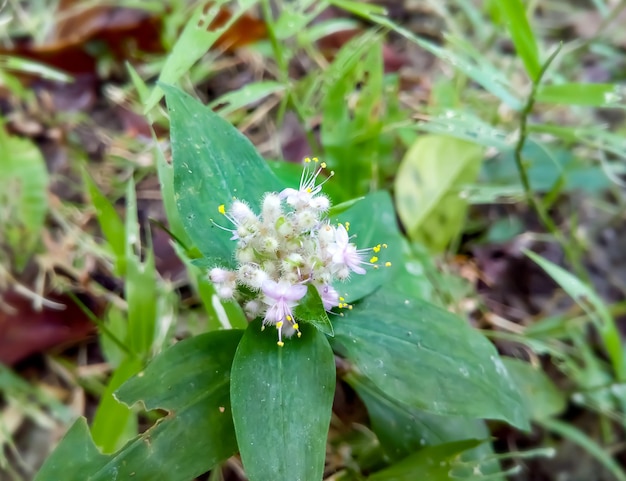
[570, 252]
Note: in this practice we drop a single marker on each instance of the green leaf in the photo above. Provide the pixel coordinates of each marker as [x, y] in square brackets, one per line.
[282, 399]
[213, 162]
[403, 430]
[514, 14]
[110, 223]
[191, 381]
[428, 187]
[593, 95]
[432, 463]
[114, 419]
[311, 310]
[593, 306]
[542, 398]
[196, 38]
[427, 358]
[372, 222]
[23, 197]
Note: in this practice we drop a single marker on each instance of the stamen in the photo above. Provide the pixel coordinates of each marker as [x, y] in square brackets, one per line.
[280, 343]
[221, 209]
[279, 324]
[387, 264]
[295, 326]
[374, 259]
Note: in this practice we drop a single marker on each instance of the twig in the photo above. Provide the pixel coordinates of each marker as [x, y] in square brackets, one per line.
[570, 252]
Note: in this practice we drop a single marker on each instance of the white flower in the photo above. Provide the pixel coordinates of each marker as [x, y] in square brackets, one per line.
[280, 298]
[330, 297]
[289, 246]
[305, 195]
[345, 254]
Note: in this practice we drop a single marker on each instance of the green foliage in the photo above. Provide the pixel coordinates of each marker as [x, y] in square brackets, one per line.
[282, 400]
[213, 163]
[429, 188]
[191, 381]
[194, 41]
[543, 399]
[388, 349]
[23, 198]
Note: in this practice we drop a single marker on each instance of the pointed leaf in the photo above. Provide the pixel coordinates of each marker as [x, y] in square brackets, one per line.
[282, 399]
[311, 310]
[427, 358]
[213, 162]
[191, 381]
[432, 463]
[428, 188]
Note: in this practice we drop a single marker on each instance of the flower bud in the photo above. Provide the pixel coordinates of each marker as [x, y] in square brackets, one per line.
[241, 212]
[251, 276]
[245, 255]
[306, 220]
[320, 203]
[218, 275]
[252, 309]
[226, 291]
[272, 208]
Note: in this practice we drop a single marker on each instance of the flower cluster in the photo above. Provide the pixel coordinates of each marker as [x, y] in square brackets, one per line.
[289, 246]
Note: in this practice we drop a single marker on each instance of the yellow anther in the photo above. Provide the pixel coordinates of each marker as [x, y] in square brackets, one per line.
[280, 343]
[309, 190]
[315, 159]
[289, 318]
[263, 327]
[384, 246]
[323, 165]
[387, 264]
[342, 298]
[307, 160]
[296, 326]
[221, 209]
[376, 248]
[374, 259]
[279, 324]
[299, 334]
[350, 307]
[375, 266]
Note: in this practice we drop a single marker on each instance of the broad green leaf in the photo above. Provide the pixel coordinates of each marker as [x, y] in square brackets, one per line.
[189, 380]
[543, 399]
[432, 463]
[311, 310]
[196, 38]
[428, 188]
[403, 430]
[427, 358]
[514, 14]
[23, 197]
[282, 399]
[593, 95]
[593, 306]
[213, 163]
[113, 420]
[372, 221]
[110, 223]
